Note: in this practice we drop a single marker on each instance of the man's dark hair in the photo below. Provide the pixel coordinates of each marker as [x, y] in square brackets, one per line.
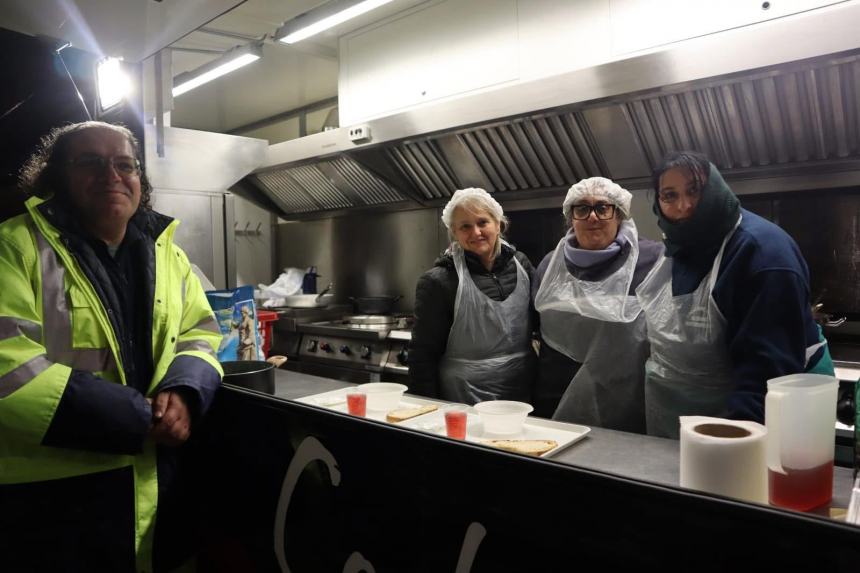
[696, 163]
[43, 174]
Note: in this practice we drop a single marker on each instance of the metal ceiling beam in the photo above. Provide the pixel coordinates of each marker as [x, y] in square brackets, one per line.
[284, 116]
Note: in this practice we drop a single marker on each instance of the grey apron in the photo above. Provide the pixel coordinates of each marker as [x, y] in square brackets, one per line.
[689, 372]
[489, 354]
[599, 325]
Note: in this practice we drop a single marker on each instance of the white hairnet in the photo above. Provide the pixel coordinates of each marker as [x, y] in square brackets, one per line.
[473, 196]
[599, 188]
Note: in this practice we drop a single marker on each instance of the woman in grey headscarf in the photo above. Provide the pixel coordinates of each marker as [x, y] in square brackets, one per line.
[594, 347]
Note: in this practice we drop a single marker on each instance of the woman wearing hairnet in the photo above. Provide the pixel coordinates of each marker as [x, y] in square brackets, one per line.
[727, 308]
[593, 351]
[472, 336]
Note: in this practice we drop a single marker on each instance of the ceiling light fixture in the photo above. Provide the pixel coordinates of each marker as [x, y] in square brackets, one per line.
[324, 17]
[232, 60]
[113, 82]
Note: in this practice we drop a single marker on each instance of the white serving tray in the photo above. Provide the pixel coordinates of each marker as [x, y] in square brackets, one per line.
[533, 429]
[336, 400]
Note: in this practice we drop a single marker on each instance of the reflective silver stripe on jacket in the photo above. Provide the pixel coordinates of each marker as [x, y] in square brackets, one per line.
[11, 327]
[811, 350]
[57, 319]
[198, 345]
[209, 324]
[19, 376]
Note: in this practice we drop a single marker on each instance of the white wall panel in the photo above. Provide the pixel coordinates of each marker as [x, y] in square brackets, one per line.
[442, 49]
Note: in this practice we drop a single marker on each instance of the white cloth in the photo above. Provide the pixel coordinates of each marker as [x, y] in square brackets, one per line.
[689, 372]
[489, 354]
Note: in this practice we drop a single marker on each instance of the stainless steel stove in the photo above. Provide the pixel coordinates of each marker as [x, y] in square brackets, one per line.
[361, 348]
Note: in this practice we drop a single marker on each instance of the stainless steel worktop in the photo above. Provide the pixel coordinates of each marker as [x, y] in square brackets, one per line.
[646, 458]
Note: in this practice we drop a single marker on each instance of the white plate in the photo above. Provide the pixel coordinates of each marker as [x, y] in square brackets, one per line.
[533, 429]
[336, 400]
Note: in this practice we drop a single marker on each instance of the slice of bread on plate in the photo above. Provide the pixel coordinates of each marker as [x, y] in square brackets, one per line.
[402, 414]
[529, 447]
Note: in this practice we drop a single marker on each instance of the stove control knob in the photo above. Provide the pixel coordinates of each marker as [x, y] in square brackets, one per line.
[365, 352]
[326, 347]
[403, 356]
[345, 350]
[312, 346]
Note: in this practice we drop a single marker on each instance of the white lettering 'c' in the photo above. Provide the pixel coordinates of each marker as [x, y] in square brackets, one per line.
[310, 450]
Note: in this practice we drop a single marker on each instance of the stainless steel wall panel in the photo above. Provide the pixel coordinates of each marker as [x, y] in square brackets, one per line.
[366, 254]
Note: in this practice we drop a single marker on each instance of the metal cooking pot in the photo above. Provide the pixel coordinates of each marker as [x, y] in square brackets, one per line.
[256, 375]
[374, 304]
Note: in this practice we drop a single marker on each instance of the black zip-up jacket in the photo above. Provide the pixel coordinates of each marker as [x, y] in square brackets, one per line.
[434, 309]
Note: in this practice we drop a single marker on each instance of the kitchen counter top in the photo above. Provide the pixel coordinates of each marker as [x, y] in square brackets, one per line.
[647, 458]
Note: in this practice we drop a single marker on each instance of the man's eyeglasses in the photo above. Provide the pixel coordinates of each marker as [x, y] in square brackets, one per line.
[603, 211]
[96, 164]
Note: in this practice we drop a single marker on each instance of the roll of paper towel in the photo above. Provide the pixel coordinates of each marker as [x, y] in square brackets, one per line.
[726, 457]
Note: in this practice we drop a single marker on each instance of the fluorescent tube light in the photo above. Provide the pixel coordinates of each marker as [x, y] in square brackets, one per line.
[232, 60]
[113, 83]
[326, 16]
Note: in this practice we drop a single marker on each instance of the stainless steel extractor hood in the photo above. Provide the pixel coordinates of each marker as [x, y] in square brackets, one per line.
[773, 113]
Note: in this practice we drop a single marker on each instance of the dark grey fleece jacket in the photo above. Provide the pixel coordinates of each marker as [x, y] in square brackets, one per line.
[434, 309]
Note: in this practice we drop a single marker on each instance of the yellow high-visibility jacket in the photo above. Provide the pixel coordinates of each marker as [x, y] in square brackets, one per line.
[51, 321]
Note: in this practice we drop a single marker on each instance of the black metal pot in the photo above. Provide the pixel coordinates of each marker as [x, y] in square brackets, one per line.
[251, 374]
[374, 304]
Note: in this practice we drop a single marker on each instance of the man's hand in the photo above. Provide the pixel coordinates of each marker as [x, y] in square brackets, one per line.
[171, 420]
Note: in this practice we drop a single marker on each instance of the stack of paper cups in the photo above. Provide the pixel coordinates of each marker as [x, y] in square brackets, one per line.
[725, 457]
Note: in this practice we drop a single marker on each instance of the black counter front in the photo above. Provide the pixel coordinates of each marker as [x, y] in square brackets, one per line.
[278, 485]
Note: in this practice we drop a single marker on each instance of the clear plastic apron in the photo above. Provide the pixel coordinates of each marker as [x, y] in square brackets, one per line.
[599, 325]
[689, 372]
[489, 354]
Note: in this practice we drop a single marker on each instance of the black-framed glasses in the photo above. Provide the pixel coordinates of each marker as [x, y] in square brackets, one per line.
[603, 211]
[96, 164]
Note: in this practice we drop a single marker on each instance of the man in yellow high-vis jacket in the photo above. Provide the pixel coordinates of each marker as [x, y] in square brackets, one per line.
[107, 360]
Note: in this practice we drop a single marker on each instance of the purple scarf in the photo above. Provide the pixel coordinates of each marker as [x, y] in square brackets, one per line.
[584, 258]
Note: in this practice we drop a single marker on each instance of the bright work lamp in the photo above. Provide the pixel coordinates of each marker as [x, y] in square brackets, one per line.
[113, 83]
[324, 17]
[224, 64]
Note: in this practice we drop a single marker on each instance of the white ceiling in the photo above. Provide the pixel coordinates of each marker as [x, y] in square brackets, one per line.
[131, 29]
[284, 79]
[287, 77]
